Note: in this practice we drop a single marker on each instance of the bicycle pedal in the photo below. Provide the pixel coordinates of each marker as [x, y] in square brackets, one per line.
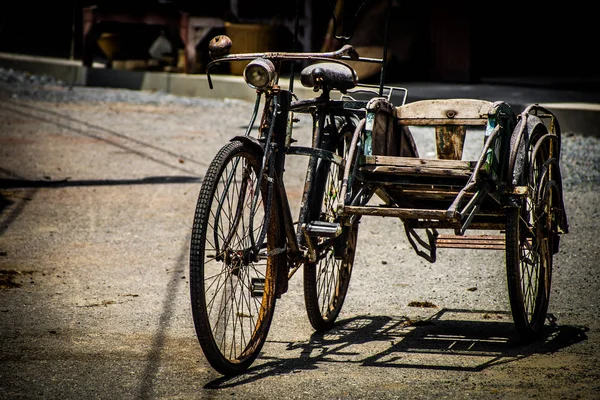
[322, 229]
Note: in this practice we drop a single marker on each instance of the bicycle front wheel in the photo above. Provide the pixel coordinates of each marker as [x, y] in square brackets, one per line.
[232, 277]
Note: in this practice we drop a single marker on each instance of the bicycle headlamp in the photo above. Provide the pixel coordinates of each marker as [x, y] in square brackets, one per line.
[259, 73]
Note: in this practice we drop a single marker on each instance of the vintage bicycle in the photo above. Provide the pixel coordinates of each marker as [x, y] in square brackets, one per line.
[245, 244]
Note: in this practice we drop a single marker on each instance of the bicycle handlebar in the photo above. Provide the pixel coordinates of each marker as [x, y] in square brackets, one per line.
[220, 45]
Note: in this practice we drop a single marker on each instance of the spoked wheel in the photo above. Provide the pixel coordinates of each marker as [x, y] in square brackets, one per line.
[530, 235]
[232, 280]
[326, 280]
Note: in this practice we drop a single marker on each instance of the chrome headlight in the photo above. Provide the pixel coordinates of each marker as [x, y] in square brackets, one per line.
[259, 73]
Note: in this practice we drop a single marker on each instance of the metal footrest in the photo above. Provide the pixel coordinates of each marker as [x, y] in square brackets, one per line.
[485, 242]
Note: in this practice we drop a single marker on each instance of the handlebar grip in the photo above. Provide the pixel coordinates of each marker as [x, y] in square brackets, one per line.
[219, 46]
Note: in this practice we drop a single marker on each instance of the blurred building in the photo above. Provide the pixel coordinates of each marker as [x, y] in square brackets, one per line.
[510, 42]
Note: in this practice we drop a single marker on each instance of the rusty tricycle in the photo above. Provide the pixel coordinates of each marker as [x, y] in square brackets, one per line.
[245, 244]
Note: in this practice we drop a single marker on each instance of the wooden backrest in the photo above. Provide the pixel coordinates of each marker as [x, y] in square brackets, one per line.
[444, 112]
[450, 117]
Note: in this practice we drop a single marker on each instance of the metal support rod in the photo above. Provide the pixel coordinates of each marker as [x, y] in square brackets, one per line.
[385, 48]
[294, 43]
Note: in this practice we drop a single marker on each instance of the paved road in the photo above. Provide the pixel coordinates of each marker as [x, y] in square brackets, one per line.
[96, 205]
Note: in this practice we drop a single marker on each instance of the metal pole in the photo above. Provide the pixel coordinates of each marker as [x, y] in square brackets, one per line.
[385, 46]
[72, 52]
[296, 26]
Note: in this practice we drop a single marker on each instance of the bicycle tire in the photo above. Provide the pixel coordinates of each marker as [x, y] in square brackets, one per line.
[530, 234]
[326, 281]
[233, 292]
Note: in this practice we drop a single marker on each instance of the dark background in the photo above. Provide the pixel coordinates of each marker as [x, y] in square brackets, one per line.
[545, 44]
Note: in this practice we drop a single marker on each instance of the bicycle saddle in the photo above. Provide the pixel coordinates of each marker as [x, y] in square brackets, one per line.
[328, 76]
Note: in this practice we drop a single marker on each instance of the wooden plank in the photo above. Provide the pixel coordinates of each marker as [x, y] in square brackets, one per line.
[424, 171]
[474, 246]
[486, 239]
[490, 242]
[397, 212]
[441, 121]
[419, 162]
[445, 109]
[432, 192]
[454, 225]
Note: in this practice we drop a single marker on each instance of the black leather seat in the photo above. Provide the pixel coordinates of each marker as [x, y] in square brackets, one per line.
[328, 76]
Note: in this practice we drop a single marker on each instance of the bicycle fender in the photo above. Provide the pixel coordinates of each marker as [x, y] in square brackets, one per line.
[518, 146]
[280, 198]
[253, 142]
[280, 194]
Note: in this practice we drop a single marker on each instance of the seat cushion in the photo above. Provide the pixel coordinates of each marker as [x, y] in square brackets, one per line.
[329, 76]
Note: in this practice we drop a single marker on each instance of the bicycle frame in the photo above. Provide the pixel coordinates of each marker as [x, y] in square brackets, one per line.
[274, 142]
[275, 138]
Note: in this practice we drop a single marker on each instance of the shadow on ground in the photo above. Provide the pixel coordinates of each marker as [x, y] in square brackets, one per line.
[446, 341]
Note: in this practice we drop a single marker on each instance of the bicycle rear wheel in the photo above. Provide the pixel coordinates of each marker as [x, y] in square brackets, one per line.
[530, 234]
[233, 287]
[326, 281]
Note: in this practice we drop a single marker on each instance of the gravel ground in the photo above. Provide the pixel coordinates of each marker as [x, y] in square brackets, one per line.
[39, 87]
[93, 253]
